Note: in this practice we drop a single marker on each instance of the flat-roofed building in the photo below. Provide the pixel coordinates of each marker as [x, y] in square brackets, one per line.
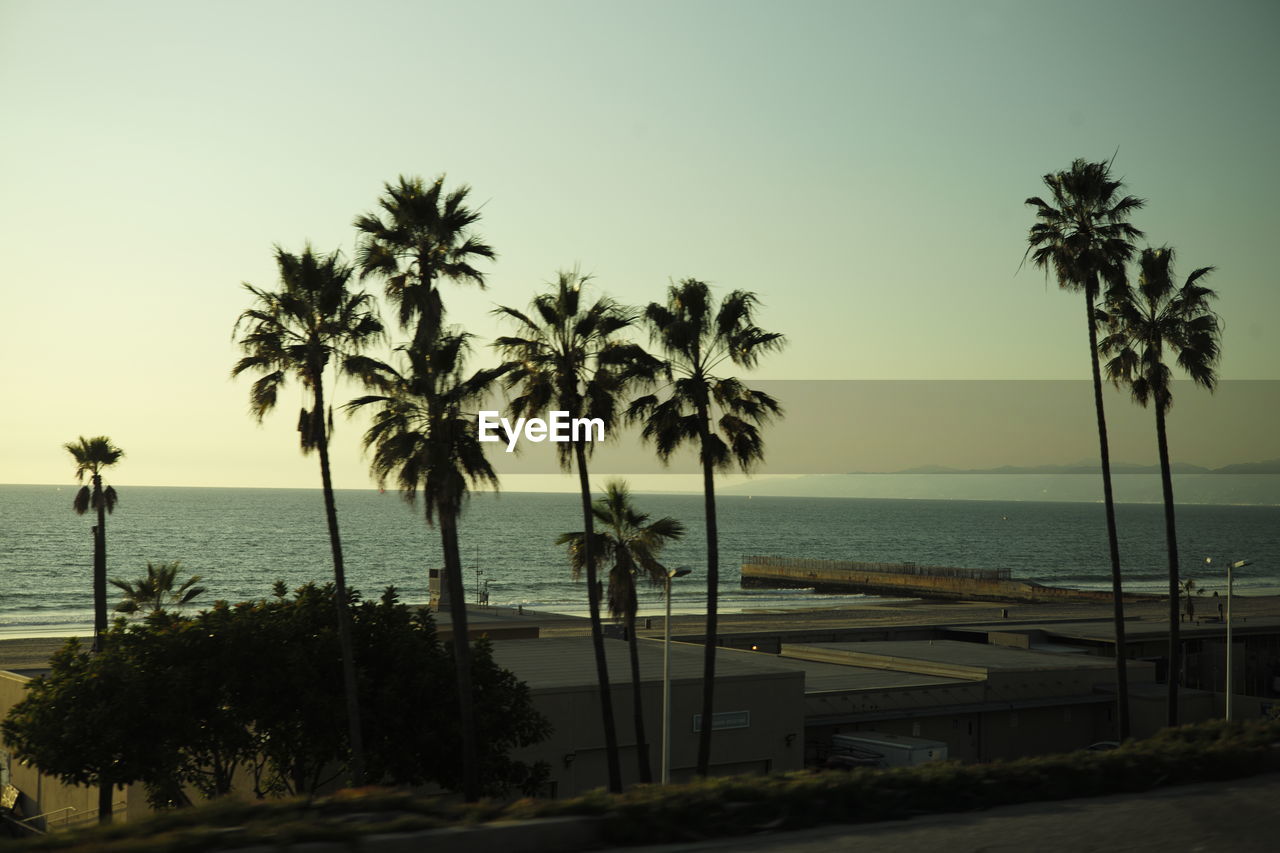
[985, 702]
[759, 709]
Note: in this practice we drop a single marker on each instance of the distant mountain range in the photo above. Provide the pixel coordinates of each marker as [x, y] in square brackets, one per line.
[1270, 466]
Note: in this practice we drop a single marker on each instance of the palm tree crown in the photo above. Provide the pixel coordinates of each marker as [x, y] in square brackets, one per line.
[91, 456]
[156, 592]
[628, 540]
[697, 338]
[422, 234]
[1159, 317]
[1083, 235]
[566, 356]
[314, 320]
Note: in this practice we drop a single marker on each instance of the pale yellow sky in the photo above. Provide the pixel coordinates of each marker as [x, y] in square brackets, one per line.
[861, 166]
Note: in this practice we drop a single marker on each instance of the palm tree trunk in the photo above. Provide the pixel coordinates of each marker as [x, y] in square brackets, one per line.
[713, 600]
[105, 791]
[1171, 538]
[340, 600]
[597, 633]
[1117, 595]
[461, 652]
[100, 568]
[642, 742]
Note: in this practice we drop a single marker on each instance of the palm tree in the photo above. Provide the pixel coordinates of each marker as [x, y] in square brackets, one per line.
[155, 593]
[696, 338]
[1085, 239]
[566, 357]
[313, 322]
[1190, 591]
[425, 236]
[632, 542]
[91, 456]
[424, 435]
[1158, 318]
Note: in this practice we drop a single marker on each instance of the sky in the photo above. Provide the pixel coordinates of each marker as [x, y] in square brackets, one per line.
[860, 166]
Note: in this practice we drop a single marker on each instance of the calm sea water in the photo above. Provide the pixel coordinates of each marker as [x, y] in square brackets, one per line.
[242, 540]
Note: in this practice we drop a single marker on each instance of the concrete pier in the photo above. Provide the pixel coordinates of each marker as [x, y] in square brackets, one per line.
[909, 579]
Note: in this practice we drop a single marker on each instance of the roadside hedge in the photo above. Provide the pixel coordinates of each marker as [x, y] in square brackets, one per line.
[721, 807]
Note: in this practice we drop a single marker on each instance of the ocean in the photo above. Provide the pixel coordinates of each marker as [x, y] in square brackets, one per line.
[242, 540]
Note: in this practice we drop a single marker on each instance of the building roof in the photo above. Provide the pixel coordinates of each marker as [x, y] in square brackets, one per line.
[552, 663]
[946, 658]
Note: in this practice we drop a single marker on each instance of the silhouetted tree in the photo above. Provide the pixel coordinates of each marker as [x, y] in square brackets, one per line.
[631, 543]
[314, 322]
[92, 456]
[424, 436]
[1083, 235]
[1148, 324]
[156, 591]
[696, 338]
[566, 356]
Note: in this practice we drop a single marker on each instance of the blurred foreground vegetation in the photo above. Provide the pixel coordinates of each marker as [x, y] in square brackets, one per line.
[730, 806]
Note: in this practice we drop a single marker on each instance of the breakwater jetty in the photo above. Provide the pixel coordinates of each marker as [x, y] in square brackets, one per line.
[909, 579]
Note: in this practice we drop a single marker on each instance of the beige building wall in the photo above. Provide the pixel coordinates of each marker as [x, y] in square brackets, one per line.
[773, 740]
[54, 804]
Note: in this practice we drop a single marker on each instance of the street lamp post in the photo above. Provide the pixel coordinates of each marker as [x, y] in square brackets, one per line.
[1238, 564]
[666, 678]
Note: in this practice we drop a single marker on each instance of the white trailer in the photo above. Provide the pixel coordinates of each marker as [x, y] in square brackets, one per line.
[895, 750]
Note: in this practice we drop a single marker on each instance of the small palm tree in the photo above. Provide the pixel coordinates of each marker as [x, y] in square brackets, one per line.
[156, 592]
[697, 338]
[424, 436]
[567, 357]
[422, 235]
[1189, 592]
[1083, 235]
[632, 543]
[1147, 324]
[92, 456]
[313, 323]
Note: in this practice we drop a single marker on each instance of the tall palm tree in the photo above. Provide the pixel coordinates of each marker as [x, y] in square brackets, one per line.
[314, 322]
[1085, 238]
[566, 356]
[92, 456]
[424, 435]
[422, 235]
[1146, 324]
[696, 338]
[632, 543]
[156, 592]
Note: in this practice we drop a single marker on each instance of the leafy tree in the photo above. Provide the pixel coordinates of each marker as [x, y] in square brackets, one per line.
[314, 321]
[631, 542]
[92, 456]
[176, 702]
[697, 338]
[1147, 324]
[1083, 235]
[156, 591]
[424, 435]
[566, 356]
